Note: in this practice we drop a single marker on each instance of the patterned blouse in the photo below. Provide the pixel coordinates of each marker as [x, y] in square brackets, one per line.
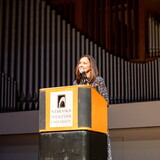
[99, 86]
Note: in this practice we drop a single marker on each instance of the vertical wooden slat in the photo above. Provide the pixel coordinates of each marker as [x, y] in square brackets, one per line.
[42, 44]
[82, 45]
[19, 49]
[159, 78]
[150, 79]
[53, 48]
[73, 52]
[156, 37]
[70, 70]
[48, 43]
[153, 37]
[103, 61]
[2, 92]
[122, 30]
[30, 53]
[115, 78]
[95, 51]
[116, 27]
[91, 48]
[108, 72]
[135, 83]
[8, 96]
[122, 81]
[99, 60]
[138, 82]
[147, 81]
[64, 66]
[118, 79]
[59, 43]
[13, 39]
[111, 79]
[6, 36]
[126, 81]
[78, 45]
[144, 81]
[25, 53]
[153, 80]
[141, 83]
[129, 80]
[150, 35]
[1, 29]
[156, 78]
[132, 83]
[129, 29]
[36, 54]
[87, 46]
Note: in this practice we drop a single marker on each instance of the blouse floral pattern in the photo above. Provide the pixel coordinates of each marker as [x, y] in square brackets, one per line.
[99, 86]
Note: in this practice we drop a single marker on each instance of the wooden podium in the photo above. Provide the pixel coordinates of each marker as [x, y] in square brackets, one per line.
[73, 122]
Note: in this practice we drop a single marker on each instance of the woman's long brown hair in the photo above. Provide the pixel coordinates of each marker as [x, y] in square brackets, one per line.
[93, 71]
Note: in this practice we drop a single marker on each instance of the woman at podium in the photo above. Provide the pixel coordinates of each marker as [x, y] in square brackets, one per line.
[87, 73]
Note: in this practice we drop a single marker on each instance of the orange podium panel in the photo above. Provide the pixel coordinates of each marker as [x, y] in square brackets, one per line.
[78, 107]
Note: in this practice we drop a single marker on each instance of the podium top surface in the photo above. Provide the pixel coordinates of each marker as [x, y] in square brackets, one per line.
[72, 86]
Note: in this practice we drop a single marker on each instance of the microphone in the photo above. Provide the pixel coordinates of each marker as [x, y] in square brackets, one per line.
[84, 77]
[83, 72]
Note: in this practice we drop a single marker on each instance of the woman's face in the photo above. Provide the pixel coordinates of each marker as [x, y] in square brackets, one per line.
[84, 64]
